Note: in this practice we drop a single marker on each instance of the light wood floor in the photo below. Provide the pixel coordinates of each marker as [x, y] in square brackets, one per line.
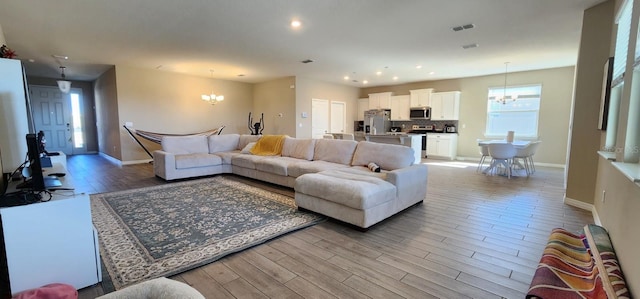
[475, 236]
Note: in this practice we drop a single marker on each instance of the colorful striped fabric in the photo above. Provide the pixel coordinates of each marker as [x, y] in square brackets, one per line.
[578, 266]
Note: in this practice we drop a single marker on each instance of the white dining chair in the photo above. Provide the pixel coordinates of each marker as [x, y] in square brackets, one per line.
[532, 151]
[347, 136]
[327, 136]
[522, 158]
[501, 155]
[484, 153]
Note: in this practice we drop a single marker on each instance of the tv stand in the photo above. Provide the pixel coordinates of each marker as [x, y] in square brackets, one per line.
[49, 242]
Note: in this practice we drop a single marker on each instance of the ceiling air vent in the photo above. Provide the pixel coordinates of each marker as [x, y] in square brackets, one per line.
[463, 27]
[307, 61]
[470, 46]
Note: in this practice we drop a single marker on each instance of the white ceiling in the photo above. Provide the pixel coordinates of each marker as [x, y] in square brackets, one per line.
[254, 38]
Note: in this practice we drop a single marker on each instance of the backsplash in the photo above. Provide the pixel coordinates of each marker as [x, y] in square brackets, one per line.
[407, 125]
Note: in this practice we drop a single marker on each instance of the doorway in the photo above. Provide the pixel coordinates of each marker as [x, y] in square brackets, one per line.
[59, 116]
[319, 118]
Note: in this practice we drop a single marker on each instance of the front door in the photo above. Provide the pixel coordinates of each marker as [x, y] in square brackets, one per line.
[52, 115]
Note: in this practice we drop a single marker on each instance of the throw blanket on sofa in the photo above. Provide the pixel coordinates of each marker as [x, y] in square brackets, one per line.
[578, 266]
[269, 145]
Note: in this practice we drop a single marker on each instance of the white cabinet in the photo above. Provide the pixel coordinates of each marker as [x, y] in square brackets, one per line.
[381, 100]
[442, 146]
[445, 105]
[363, 105]
[400, 107]
[421, 97]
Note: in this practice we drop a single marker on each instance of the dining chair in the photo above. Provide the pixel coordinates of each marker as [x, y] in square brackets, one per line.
[523, 154]
[484, 153]
[327, 136]
[501, 155]
[534, 147]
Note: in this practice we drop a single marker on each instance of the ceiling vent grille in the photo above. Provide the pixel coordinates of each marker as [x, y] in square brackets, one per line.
[307, 61]
[470, 46]
[463, 27]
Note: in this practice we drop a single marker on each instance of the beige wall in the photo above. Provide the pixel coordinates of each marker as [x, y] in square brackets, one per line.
[557, 89]
[618, 212]
[272, 98]
[585, 138]
[308, 89]
[88, 108]
[106, 97]
[167, 102]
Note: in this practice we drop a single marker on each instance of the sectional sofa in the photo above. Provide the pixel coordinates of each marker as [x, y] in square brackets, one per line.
[329, 176]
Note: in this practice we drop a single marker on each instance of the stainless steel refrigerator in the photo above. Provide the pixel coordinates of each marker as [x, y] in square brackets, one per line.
[377, 122]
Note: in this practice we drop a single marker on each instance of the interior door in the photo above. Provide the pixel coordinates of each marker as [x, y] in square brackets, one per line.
[338, 116]
[319, 118]
[52, 115]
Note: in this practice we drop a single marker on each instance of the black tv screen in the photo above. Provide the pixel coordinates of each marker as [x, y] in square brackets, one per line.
[36, 182]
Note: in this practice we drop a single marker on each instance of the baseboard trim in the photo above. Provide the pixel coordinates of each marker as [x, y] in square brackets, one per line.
[111, 159]
[585, 206]
[477, 159]
[596, 217]
[578, 204]
[145, 161]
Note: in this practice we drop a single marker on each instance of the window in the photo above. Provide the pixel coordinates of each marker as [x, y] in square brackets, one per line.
[515, 109]
[78, 135]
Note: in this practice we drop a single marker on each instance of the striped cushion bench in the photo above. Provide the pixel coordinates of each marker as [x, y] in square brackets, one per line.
[579, 266]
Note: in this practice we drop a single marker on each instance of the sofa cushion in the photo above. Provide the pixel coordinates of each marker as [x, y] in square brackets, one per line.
[247, 161]
[246, 139]
[304, 167]
[349, 189]
[298, 148]
[388, 156]
[277, 166]
[223, 143]
[185, 144]
[227, 156]
[197, 160]
[335, 150]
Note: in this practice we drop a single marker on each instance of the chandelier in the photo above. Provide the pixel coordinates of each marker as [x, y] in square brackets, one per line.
[64, 85]
[503, 99]
[212, 98]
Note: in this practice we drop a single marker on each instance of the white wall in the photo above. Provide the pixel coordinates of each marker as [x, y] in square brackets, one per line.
[13, 115]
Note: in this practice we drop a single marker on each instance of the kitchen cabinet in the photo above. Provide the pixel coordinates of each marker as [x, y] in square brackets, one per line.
[421, 97]
[381, 100]
[400, 107]
[363, 105]
[445, 105]
[442, 146]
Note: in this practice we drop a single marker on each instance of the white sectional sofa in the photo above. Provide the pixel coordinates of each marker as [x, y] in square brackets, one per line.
[330, 176]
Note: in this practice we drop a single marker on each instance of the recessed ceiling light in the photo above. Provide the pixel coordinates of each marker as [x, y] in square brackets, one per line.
[32, 60]
[378, 73]
[418, 66]
[431, 73]
[395, 78]
[60, 57]
[365, 82]
[346, 77]
[296, 24]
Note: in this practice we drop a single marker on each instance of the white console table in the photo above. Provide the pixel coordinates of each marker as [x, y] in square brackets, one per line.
[51, 242]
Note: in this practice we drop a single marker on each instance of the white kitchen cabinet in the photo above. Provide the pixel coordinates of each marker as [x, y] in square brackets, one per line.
[400, 107]
[445, 105]
[442, 146]
[421, 97]
[381, 100]
[363, 105]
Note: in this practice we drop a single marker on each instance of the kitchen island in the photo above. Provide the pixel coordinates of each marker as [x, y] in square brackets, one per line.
[413, 141]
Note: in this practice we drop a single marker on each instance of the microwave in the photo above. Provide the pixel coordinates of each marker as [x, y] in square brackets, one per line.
[420, 113]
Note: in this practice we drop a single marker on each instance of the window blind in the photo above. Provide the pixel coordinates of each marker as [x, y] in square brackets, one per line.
[623, 19]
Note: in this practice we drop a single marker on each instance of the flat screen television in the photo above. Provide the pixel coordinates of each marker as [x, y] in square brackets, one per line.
[34, 179]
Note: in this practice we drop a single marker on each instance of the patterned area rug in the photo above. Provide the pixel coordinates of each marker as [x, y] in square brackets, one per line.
[165, 230]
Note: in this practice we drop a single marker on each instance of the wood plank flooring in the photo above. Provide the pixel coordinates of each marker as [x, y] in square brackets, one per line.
[475, 236]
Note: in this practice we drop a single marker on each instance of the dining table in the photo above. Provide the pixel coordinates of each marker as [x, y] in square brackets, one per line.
[518, 144]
